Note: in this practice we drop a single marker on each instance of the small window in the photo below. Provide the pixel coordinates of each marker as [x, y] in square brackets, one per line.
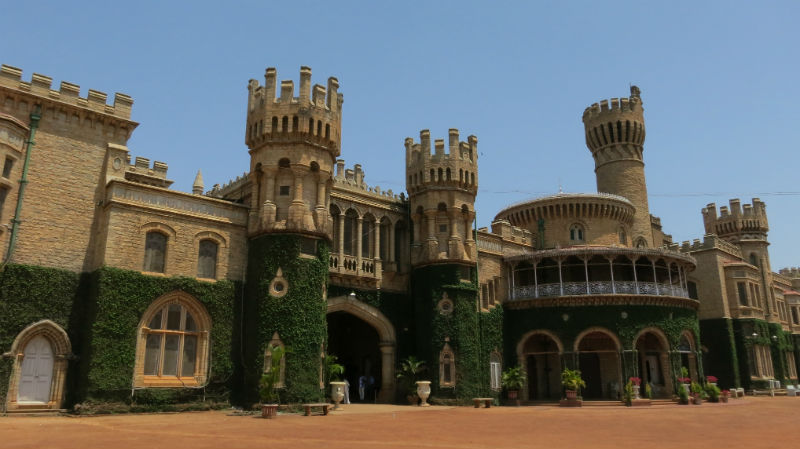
[742, 293]
[207, 259]
[308, 246]
[155, 251]
[443, 228]
[641, 243]
[284, 191]
[3, 195]
[692, 289]
[623, 237]
[495, 364]
[576, 233]
[7, 167]
[447, 367]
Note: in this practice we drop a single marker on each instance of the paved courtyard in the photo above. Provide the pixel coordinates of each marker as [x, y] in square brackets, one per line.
[747, 423]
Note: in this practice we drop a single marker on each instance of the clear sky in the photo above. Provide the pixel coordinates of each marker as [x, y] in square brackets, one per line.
[719, 83]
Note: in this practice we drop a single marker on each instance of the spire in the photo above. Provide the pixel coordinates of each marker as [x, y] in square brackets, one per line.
[197, 187]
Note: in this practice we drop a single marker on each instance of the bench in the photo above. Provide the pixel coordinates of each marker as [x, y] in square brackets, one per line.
[487, 402]
[322, 405]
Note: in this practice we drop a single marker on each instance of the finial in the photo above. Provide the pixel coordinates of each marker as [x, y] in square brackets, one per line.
[635, 92]
[197, 187]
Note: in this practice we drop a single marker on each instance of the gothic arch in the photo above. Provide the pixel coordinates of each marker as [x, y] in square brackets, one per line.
[601, 330]
[386, 335]
[62, 352]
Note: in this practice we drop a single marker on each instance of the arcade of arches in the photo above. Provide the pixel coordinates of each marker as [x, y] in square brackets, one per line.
[599, 354]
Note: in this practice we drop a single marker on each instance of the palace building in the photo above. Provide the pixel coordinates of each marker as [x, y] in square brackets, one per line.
[116, 288]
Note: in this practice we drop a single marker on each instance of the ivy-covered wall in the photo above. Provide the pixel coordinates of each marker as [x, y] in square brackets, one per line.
[113, 310]
[624, 321]
[29, 294]
[471, 335]
[722, 360]
[298, 316]
[100, 313]
[749, 332]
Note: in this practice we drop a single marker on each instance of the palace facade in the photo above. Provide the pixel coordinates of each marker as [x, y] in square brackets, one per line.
[115, 287]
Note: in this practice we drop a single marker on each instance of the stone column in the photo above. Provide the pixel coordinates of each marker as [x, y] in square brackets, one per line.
[655, 275]
[390, 242]
[611, 267]
[431, 242]
[535, 280]
[297, 207]
[560, 278]
[376, 253]
[635, 278]
[387, 372]
[359, 239]
[341, 239]
[586, 273]
[270, 209]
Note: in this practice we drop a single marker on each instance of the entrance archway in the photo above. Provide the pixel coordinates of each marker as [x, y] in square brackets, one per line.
[364, 341]
[599, 362]
[540, 353]
[40, 355]
[652, 348]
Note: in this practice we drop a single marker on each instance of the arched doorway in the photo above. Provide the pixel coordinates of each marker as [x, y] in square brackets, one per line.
[364, 341]
[652, 349]
[599, 362]
[40, 355]
[688, 354]
[539, 353]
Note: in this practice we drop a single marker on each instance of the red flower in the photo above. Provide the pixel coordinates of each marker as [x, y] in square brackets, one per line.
[711, 379]
[636, 381]
[684, 380]
[726, 392]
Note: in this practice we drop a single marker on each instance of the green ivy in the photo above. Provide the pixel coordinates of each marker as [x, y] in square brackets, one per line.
[298, 317]
[722, 360]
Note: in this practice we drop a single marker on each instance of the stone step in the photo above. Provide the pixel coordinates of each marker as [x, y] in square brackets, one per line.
[36, 412]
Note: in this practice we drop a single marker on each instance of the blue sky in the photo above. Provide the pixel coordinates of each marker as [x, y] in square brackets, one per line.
[718, 80]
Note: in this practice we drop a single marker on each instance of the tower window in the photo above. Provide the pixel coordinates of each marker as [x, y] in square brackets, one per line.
[7, 167]
[207, 259]
[155, 251]
[283, 191]
[576, 233]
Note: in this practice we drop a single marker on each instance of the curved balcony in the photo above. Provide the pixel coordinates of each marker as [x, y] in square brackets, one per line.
[599, 271]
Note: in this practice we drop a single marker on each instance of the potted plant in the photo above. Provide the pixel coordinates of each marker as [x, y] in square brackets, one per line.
[697, 393]
[636, 382]
[724, 395]
[334, 372]
[627, 393]
[572, 382]
[409, 369]
[648, 391]
[513, 379]
[269, 381]
[712, 391]
[683, 395]
[685, 379]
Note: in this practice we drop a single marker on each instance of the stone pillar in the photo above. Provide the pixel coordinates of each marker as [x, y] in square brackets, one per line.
[611, 267]
[586, 273]
[635, 278]
[359, 239]
[297, 207]
[655, 275]
[270, 209]
[390, 243]
[376, 253]
[431, 242]
[560, 278]
[387, 372]
[341, 238]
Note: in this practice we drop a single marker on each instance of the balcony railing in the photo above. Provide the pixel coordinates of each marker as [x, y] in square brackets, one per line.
[598, 288]
[353, 266]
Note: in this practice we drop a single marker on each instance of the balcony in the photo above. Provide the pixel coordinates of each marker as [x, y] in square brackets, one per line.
[598, 288]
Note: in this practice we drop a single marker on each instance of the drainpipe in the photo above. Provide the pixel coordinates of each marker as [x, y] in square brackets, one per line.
[15, 222]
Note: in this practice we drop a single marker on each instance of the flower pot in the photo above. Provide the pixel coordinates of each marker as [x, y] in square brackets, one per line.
[513, 394]
[423, 391]
[337, 393]
[697, 401]
[724, 399]
[636, 392]
[572, 394]
[269, 411]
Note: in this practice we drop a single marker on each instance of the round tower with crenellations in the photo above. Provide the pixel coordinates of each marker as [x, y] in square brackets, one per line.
[294, 143]
[441, 187]
[615, 135]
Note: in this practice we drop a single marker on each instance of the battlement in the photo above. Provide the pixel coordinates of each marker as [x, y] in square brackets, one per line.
[227, 188]
[353, 179]
[314, 115]
[710, 241]
[143, 173]
[737, 219]
[68, 93]
[616, 121]
[791, 272]
[456, 167]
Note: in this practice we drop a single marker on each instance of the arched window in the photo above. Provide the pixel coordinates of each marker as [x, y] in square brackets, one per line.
[753, 259]
[641, 243]
[447, 367]
[576, 233]
[623, 238]
[495, 368]
[155, 252]
[274, 343]
[173, 343]
[207, 259]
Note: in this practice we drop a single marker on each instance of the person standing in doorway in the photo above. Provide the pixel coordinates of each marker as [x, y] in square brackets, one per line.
[362, 386]
[346, 391]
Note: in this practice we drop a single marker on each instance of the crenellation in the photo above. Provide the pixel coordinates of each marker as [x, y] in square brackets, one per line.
[737, 221]
[353, 179]
[68, 93]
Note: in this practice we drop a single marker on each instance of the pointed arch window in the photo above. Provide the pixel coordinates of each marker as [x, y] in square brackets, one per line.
[155, 252]
[207, 259]
[576, 233]
[447, 367]
[274, 343]
[495, 368]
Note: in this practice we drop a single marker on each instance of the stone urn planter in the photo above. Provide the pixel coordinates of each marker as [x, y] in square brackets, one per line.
[423, 391]
[337, 393]
[636, 392]
[269, 411]
[572, 394]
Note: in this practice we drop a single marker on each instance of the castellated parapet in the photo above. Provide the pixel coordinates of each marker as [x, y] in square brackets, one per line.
[293, 145]
[615, 135]
[442, 186]
[68, 93]
[314, 116]
[738, 221]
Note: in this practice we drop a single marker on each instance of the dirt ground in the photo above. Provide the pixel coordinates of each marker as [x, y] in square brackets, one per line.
[761, 422]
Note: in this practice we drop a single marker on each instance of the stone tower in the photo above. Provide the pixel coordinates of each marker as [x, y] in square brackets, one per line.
[615, 135]
[294, 142]
[746, 226]
[441, 189]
